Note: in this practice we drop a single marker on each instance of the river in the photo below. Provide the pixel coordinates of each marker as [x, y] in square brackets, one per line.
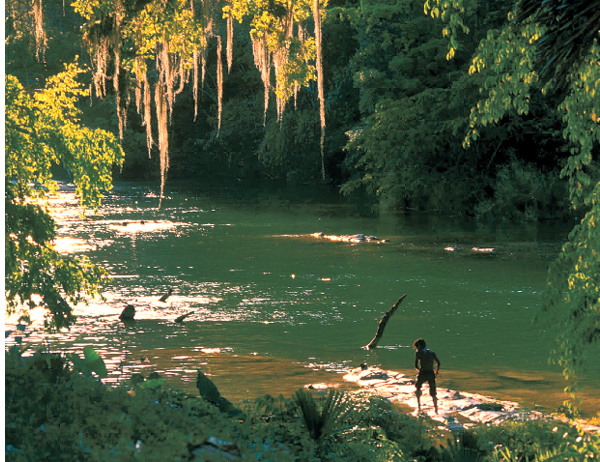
[274, 308]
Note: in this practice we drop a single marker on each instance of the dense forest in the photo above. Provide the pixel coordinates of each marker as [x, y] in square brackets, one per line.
[397, 111]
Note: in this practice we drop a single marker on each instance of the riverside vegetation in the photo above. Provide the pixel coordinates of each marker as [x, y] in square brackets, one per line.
[58, 409]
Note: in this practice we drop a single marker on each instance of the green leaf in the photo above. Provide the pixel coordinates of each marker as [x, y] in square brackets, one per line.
[42, 129]
[151, 384]
[94, 362]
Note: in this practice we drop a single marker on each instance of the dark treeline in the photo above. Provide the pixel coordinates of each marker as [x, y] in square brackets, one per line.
[397, 113]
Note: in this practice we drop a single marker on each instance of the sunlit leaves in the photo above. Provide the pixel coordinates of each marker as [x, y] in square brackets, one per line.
[573, 295]
[279, 32]
[505, 59]
[452, 14]
[582, 128]
[187, 26]
[574, 279]
[154, 24]
[44, 130]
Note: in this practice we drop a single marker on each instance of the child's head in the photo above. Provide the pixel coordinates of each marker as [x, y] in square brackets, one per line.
[419, 344]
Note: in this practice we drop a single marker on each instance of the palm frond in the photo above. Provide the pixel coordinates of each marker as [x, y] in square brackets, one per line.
[320, 420]
[571, 28]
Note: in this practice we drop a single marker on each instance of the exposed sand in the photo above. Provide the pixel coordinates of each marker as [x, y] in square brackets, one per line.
[457, 409]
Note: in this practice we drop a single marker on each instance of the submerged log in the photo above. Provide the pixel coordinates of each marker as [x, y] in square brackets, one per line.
[384, 320]
[351, 238]
[484, 249]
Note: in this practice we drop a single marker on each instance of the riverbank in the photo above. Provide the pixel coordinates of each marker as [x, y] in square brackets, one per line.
[457, 409]
[244, 377]
[54, 412]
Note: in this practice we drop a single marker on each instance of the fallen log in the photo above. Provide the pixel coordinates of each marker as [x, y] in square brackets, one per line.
[384, 320]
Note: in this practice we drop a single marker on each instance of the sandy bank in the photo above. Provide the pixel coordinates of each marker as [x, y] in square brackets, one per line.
[457, 409]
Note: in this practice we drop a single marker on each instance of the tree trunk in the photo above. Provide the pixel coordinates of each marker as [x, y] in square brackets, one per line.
[383, 323]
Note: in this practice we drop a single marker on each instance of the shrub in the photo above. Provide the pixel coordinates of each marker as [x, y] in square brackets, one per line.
[523, 193]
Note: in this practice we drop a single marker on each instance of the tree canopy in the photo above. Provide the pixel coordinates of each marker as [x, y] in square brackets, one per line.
[128, 38]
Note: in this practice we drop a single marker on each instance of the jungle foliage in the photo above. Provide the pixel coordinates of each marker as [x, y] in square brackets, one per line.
[397, 109]
[44, 131]
[58, 410]
[518, 66]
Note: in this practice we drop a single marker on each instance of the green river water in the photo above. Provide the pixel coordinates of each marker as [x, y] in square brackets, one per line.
[275, 308]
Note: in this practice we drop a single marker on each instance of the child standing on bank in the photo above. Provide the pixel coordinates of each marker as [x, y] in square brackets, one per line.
[424, 359]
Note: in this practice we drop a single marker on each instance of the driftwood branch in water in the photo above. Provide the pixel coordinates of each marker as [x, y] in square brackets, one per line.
[382, 324]
[183, 316]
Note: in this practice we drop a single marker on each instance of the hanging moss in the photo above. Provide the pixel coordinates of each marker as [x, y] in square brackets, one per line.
[41, 41]
[219, 81]
[175, 34]
[160, 100]
[229, 41]
[318, 40]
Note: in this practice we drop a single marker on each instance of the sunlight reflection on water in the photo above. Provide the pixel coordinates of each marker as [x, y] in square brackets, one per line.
[264, 294]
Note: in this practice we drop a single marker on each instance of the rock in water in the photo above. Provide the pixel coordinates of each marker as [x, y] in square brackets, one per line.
[128, 313]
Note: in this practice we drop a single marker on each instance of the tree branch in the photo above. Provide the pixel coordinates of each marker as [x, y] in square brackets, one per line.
[384, 320]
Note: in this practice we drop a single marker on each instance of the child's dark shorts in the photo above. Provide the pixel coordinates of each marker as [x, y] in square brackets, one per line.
[429, 377]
